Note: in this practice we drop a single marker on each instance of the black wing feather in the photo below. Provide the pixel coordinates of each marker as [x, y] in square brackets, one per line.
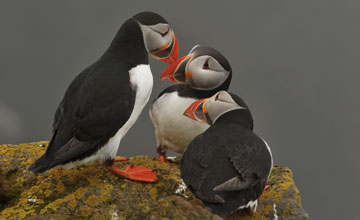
[250, 158]
[198, 158]
[97, 103]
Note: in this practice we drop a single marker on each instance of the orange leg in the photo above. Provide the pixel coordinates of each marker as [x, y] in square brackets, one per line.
[120, 159]
[162, 158]
[266, 187]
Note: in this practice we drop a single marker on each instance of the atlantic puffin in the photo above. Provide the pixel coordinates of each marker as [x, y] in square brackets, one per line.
[228, 165]
[200, 74]
[103, 102]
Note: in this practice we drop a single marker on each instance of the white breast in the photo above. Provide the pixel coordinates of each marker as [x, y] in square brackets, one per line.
[172, 128]
[141, 80]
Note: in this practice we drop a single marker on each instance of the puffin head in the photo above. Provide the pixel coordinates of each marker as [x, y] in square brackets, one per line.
[159, 38]
[204, 68]
[210, 109]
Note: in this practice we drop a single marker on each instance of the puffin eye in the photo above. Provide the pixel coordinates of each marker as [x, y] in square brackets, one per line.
[206, 65]
[165, 33]
[217, 96]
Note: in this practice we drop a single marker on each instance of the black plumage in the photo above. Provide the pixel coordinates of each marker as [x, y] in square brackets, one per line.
[173, 130]
[96, 104]
[228, 150]
[89, 121]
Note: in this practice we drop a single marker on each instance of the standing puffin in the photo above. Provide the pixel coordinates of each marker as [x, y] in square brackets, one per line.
[228, 165]
[203, 72]
[103, 102]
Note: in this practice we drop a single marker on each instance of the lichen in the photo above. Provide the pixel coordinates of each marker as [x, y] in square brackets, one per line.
[72, 204]
[91, 192]
[100, 217]
[153, 193]
[92, 201]
[86, 212]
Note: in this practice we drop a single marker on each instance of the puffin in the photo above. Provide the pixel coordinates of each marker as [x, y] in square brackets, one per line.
[228, 165]
[200, 74]
[104, 101]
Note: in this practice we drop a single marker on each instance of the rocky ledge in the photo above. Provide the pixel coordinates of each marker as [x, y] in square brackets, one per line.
[91, 192]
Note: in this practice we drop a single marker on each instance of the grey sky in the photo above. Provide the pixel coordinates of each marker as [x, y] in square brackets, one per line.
[295, 63]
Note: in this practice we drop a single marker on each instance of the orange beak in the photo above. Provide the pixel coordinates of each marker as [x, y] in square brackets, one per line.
[167, 53]
[197, 110]
[176, 72]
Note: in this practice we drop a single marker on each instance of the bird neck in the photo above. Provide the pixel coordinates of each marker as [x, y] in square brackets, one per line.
[128, 45]
[241, 117]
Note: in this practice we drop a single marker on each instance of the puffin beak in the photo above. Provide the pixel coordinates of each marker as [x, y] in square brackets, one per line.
[177, 71]
[168, 53]
[197, 110]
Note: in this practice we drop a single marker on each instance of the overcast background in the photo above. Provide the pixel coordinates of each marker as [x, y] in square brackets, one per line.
[295, 63]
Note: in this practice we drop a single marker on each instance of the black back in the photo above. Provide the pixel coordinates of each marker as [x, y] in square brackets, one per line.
[227, 149]
[128, 45]
[98, 102]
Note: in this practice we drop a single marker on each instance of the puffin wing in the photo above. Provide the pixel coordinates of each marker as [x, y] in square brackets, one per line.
[96, 105]
[250, 159]
[195, 163]
[196, 159]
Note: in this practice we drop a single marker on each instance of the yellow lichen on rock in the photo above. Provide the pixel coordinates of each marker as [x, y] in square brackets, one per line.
[105, 193]
[91, 192]
[86, 212]
[153, 193]
[92, 200]
[80, 192]
[100, 217]
[72, 204]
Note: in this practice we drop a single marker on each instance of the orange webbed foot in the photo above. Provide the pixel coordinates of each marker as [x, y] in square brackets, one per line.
[136, 173]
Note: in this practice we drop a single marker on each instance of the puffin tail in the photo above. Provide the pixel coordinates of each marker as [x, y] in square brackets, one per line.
[40, 165]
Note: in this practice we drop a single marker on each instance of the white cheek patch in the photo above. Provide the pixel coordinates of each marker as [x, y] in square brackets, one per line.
[206, 79]
[160, 28]
[215, 65]
[216, 108]
[152, 36]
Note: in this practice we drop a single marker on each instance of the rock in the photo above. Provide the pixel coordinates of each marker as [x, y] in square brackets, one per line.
[173, 207]
[49, 217]
[91, 192]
